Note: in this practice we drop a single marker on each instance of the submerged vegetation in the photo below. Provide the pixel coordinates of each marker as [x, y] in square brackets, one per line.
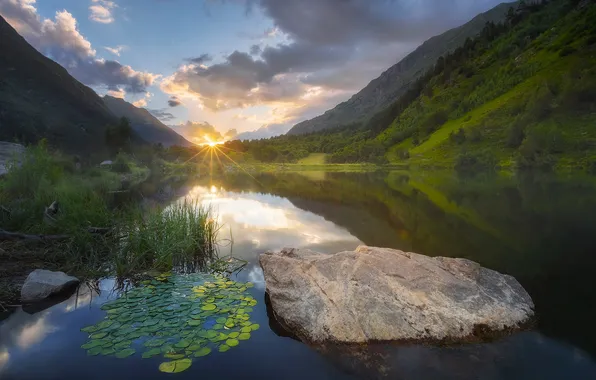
[90, 222]
[177, 317]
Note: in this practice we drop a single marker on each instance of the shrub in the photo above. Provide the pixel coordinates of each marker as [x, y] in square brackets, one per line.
[515, 134]
[121, 164]
[468, 162]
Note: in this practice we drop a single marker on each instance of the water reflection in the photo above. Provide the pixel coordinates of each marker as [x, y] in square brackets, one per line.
[538, 229]
[261, 222]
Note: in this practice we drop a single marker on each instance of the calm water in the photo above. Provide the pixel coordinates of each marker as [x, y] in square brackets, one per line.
[539, 229]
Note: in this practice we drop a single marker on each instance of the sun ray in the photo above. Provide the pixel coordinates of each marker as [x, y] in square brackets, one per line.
[237, 164]
[204, 148]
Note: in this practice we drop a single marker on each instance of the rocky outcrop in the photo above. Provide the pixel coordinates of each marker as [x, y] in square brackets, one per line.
[8, 153]
[380, 294]
[41, 284]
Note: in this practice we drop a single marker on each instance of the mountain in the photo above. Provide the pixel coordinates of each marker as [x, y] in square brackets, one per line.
[40, 99]
[264, 132]
[394, 82]
[144, 124]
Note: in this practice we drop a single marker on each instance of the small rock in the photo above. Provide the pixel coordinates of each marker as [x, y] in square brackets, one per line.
[41, 283]
[381, 294]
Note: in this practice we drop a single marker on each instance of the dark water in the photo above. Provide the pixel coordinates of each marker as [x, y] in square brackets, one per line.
[539, 229]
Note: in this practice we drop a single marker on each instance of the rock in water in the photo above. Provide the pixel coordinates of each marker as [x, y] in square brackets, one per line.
[41, 284]
[381, 294]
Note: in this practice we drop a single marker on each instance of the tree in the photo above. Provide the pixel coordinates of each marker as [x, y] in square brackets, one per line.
[118, 137]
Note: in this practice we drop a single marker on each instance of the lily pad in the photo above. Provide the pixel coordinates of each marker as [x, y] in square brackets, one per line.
[254, 326]
[125, 353]
[175, 366]
[234, 334]
[99, 335]
[208, 307]
[204, 351]
[182, 344]
[151, 353]
[224, 348]
[244, 336]
[232, 342]
[173, 356]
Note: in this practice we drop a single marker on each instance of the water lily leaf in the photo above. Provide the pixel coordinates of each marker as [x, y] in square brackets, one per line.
[217, 327]
[125, 353]
[230, 325]
[123, 344]
[211, 334]
[224, 348]
[175, 366]
[209, 306]
[232, 342]
[89, 329]
[173, 356]
[252, 303]
[104, 324]
[182, 344]
[234, 334]
[204, 351]
[154, 343]
[221, 320]
[151, 353]
[92, 344]
[246, 329]
[249, 284]
[194, 347]
[244, 336]
[254, 326]
[194, 322]
[151, 322]
[94, 351]
[246, 324]
[99, 335]
[107, 351]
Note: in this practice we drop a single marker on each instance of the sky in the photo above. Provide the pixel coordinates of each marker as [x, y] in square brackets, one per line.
[232, 66]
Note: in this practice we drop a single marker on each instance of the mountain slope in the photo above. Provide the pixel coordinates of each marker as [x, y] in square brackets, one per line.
[527, 97]
[394, 82]
[143, 123]
[39, 99]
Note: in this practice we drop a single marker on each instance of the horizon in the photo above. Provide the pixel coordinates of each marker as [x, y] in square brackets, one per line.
[258, 69]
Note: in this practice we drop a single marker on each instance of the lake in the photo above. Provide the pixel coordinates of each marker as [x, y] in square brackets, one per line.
[540, 229]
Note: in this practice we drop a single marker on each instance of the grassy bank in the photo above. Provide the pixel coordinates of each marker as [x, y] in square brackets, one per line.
[75, 220]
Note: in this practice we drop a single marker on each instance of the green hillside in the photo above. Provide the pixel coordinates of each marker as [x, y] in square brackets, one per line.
[40, 99]
[521, 94]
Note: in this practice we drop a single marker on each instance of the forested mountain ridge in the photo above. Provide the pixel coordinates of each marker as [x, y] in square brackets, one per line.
[394, 82]
[40, 99]
[523, 94]
[146, 125]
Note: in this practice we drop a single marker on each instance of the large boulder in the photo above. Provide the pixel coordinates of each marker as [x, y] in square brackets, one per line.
[8, 153]
[380, 294]
[41, 283]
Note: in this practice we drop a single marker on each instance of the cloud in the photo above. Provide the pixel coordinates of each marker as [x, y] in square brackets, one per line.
[202, 132]
[119, 93]
[174, 101]
[329, 50]
[101, 11]
[61, 40]
[116, 50]
[140, 103]
[255, 50]
[162, 115]
[203, 58]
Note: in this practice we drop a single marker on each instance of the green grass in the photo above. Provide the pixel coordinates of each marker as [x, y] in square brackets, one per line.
[314, 159]
[182, 236]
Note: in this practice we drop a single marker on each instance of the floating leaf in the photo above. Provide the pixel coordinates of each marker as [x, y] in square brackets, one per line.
[125, 353]
[107, 351]
[254, 326]
[173, 356]
[89, 329]
[99, 335]
[92, 343]
[182, 344]
[217, 327]
[224, 348]
[244, 336]
[208, 307]
[221, 320]
[94, 351]
[151, 353]
[246, 329]
[234, 334]
[232, 342]
[154, 343]
[175, 366]
[123, 344]
[204, 351]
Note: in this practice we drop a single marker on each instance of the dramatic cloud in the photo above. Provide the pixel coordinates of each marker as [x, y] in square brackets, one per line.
[202, 132]
[174, 101]
[120, 93]
[162, 115]
[116, 50]
[60, 40]
[140, 103]
[101, 11]
[330, 49]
